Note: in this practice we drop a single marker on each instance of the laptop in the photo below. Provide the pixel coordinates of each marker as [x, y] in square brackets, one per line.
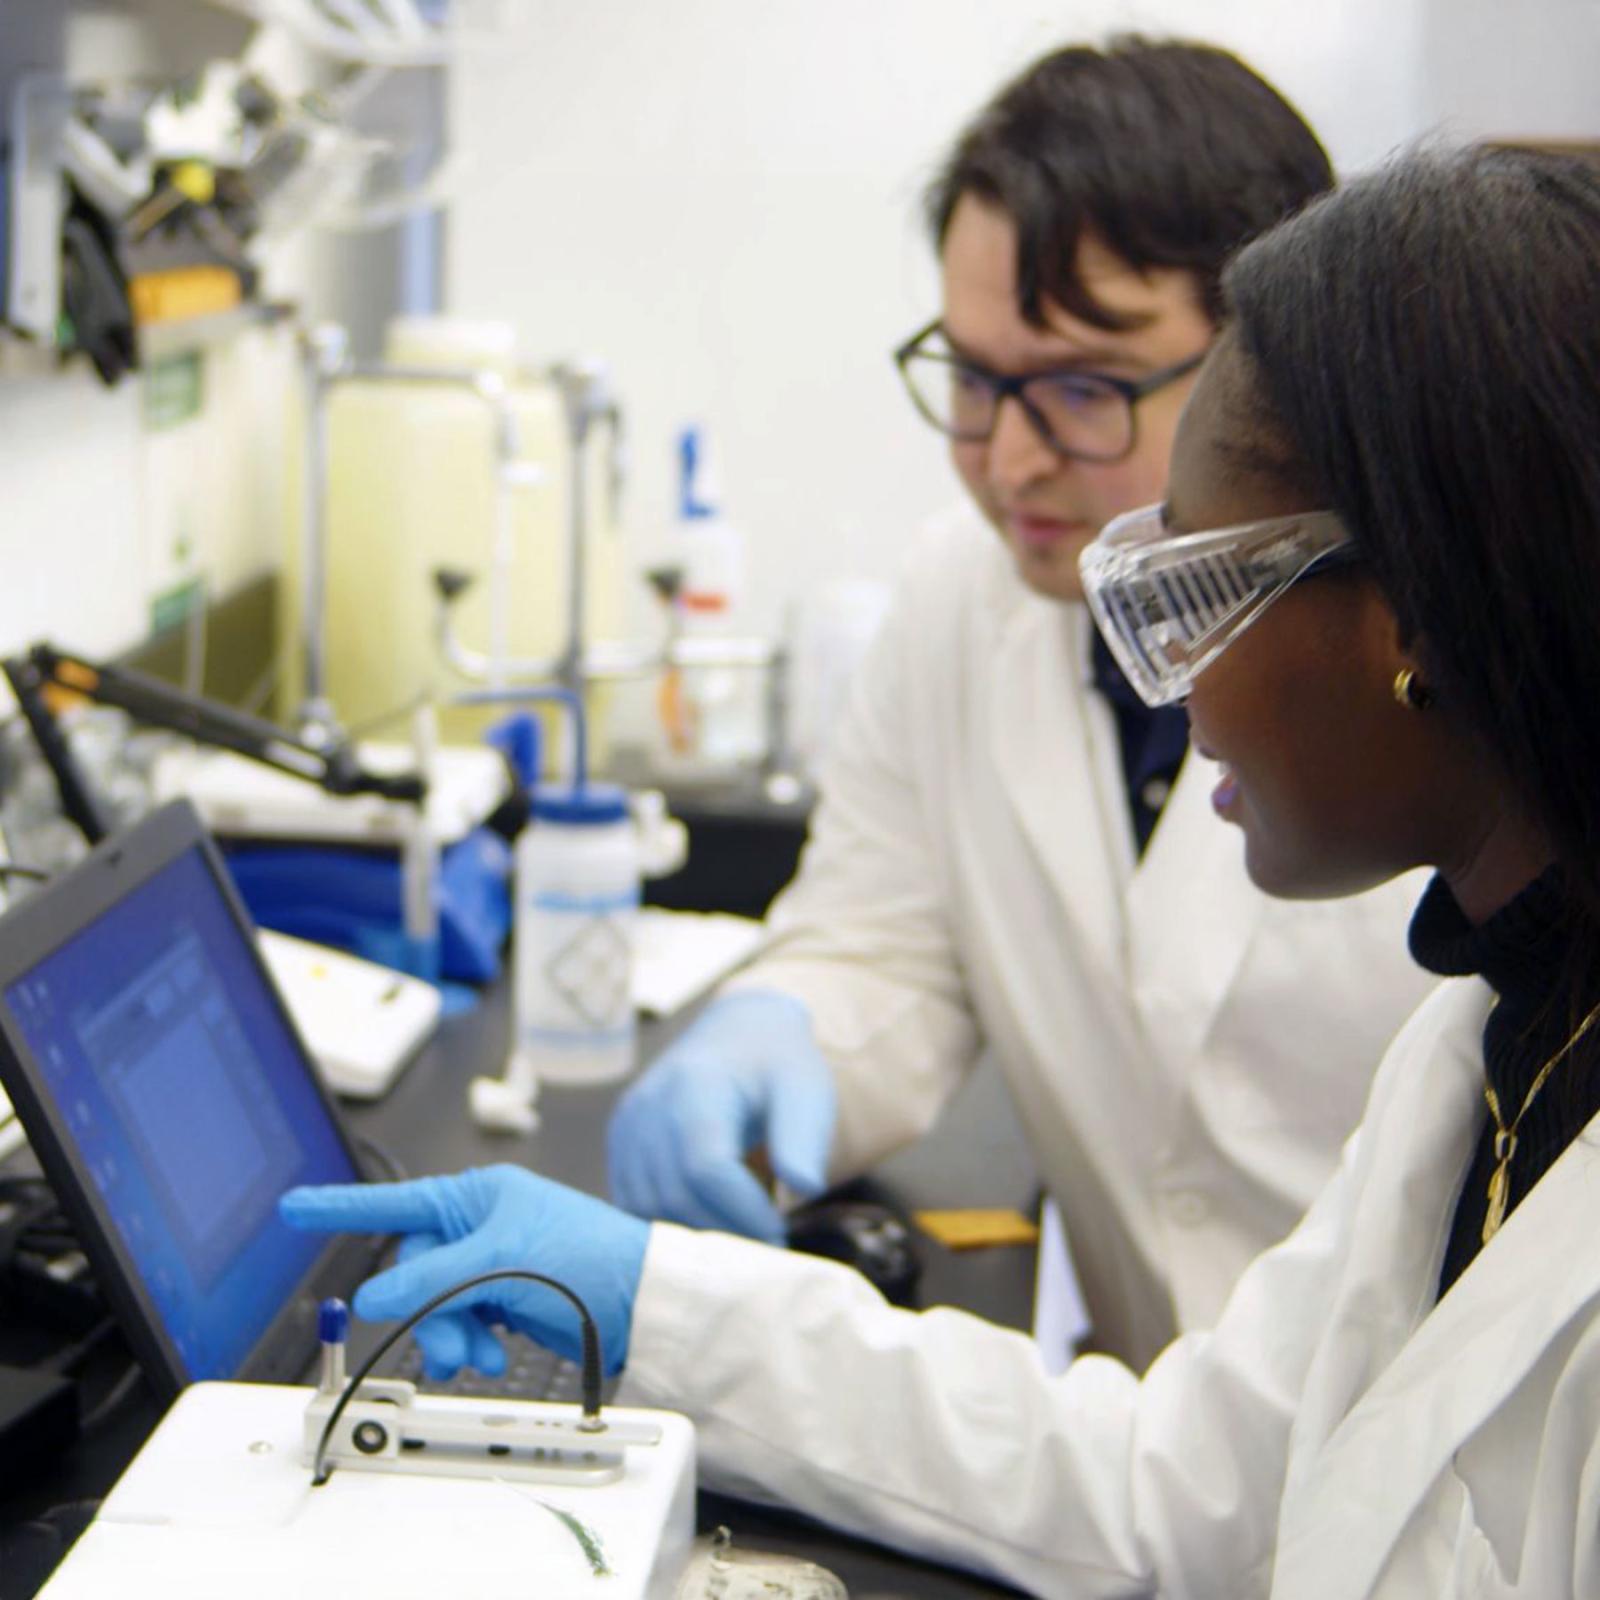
[170, 1102]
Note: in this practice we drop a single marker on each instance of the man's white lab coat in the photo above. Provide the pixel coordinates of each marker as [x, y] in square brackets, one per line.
[1338, 1435]
[1186, 1054]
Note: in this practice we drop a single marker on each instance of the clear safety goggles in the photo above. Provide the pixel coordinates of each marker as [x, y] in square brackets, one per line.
[1169, 604]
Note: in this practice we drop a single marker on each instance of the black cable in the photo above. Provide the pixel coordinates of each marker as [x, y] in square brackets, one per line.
[593, 1367]
[15, 869]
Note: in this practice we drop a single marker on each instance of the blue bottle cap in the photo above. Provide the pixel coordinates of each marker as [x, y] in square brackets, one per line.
[590, 806]
[333, 1321]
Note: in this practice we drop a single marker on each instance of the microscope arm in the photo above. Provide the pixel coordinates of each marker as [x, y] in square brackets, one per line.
[149, 700]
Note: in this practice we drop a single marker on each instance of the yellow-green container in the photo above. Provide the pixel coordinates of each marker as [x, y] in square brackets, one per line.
[411, 488]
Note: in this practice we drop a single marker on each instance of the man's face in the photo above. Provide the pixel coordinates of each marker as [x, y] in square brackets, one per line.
[1045, 506]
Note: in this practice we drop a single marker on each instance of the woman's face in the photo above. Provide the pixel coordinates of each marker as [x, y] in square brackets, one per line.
[1335, 785]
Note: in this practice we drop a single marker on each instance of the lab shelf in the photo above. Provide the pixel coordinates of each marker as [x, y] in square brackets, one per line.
[158, 340]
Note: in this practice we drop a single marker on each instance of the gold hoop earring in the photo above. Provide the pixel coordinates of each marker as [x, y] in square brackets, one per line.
[1410, 692]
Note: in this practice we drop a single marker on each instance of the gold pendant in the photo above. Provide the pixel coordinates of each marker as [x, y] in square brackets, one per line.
[1499, 1187]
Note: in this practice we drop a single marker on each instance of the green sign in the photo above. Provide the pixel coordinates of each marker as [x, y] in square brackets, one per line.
[174, 390]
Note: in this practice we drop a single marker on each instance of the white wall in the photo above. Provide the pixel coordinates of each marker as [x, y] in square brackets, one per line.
[722, 198]
[73, 560]
[1497, 70]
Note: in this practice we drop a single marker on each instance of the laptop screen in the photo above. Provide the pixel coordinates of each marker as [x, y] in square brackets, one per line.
[185, 1100]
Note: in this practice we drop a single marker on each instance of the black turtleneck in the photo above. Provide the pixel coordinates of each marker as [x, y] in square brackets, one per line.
[1521, 953]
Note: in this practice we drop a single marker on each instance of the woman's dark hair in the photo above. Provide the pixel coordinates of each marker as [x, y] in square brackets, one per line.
[1427, 341]
[1172, 153]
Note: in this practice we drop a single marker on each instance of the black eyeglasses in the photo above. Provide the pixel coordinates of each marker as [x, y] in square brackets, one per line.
[1084, 416]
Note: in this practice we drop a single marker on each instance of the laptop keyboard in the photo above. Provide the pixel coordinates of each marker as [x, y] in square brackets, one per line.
[532, 1373]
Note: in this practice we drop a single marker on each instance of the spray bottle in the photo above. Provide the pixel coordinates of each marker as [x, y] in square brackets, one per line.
[710, 723]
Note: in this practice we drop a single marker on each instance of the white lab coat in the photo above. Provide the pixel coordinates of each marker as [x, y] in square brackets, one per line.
[1186, 1054]
[1338, 1435]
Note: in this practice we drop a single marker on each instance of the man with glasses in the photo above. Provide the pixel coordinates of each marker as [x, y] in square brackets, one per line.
[1013, 852]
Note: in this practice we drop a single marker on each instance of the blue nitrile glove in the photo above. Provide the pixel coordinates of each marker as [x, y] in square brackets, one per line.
[480, 1221]
[746, 1073]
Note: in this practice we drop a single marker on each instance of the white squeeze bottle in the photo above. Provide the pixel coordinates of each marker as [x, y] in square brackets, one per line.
[575, 885]
[577, 899]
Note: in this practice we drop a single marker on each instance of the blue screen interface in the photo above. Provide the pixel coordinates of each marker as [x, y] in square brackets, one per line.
[190, 1103]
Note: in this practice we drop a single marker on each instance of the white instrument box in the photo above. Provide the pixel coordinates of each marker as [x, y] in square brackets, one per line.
[219, 1503]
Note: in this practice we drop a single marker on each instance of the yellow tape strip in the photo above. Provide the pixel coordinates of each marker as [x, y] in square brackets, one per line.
[975, 1229]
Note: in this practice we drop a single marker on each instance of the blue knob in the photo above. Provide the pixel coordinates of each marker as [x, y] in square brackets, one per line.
[333, 1321]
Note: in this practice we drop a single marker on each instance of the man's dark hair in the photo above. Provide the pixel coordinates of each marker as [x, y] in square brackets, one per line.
[1173, 154]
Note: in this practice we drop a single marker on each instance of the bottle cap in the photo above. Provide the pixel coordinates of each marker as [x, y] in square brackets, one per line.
[591, 806]
[333, 1321]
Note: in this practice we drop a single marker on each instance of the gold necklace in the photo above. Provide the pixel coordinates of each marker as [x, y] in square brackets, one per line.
[1505, 1139]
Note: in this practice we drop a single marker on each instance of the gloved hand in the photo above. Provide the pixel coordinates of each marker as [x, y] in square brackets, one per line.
[746, 1073]
[479, 1221]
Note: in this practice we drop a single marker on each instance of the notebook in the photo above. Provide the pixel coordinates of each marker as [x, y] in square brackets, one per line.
[170, 1101]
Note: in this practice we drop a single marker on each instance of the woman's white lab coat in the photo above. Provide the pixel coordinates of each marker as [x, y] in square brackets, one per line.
[1186, 1054]
[1339, 1434]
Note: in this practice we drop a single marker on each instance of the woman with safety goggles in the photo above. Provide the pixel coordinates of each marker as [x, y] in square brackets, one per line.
[1376, 583]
